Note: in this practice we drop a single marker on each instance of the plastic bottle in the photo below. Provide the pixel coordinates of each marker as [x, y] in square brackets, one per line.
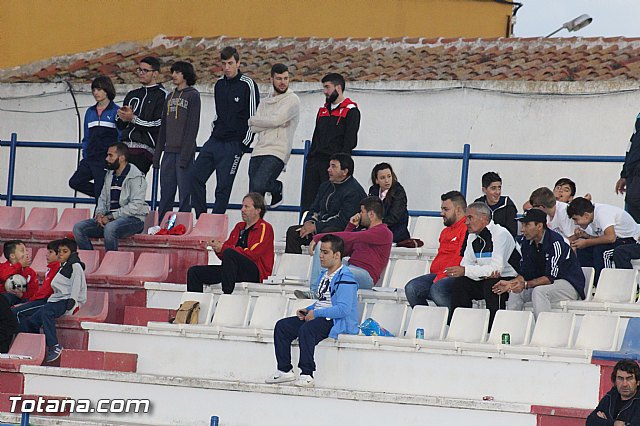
[172, 221]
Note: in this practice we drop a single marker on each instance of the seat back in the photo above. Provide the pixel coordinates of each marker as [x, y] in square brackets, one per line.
[295, 304]
[39, 261]
[405, 270]
[293, 265]
[115, 263]
[598, 332]
[553, 330]
[468, 325]
[152, 264]
[150, 220]
[428, 229]
[206, 305]
[70, 217]
[267, 311]
[96, 307]
[29, 344]
[390, 316]
[589, 276]
[182, 218]
[231, 310]
[616, 285]
[431, 319]
[631, 339]
[41, 219]
[517, 323]
[91, 260]
[11, 217]
[211, 227]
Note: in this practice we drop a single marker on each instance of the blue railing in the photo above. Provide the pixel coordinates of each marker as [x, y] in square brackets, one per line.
[465, 156]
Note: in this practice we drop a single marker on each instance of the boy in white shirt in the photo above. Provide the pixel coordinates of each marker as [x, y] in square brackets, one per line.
[557, 218]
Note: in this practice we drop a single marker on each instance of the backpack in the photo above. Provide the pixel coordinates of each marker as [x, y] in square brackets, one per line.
[187, 313]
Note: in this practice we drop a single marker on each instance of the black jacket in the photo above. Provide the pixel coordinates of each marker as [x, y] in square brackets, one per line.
[630, 413]
[141, 134]
[336, 130]
[504, 213]
[396, 215]
[8, 325]
[236, 99]
[335, 203]
[631, 167]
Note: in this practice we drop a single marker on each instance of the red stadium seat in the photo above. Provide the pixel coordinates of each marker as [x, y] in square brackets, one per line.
[182, 218]
[209, 227]
[91, 260]
[149, 267]
[69, 218]
[115, 263]
[27, 344]
[40, 219]
[11, 218]
[39, 262]
[94, 310]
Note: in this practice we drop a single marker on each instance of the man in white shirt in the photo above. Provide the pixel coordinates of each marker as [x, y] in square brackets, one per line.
[610, 227]
[557, 218]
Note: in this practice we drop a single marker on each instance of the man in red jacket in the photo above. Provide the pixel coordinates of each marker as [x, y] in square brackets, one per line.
[18, 262]
[437, 286]
[247, 255]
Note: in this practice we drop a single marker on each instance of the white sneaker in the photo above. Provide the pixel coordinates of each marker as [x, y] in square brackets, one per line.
[280, 377]
[305, 381]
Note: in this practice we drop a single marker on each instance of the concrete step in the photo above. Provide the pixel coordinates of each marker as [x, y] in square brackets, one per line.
[98, 360]
[138, 315]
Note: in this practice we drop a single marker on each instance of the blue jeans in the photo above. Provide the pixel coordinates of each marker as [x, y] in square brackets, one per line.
[45, 317]
[89, 171]
[25, 310]
[421, 288]
[223, 157]
[122, 227]
[173, 176]
[309, 334]
[364, 280]
[263, 174]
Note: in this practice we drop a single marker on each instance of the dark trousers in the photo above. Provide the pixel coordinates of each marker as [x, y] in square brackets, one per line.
[295, 241]
[466, 290]
[235, 268]
[315, 172]
[172, 177]
[600, 256]
[25, 310]
[309, 334]
[141, 162]
[624, 254]
[223, 157]
[8, 325]
[263, 174]
[89, 171]
[45, 317]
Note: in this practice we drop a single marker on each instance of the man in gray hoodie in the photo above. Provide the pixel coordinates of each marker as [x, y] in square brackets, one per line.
[121, 207]
[275, 123]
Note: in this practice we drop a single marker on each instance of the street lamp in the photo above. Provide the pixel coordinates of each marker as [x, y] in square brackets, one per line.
[575, 24]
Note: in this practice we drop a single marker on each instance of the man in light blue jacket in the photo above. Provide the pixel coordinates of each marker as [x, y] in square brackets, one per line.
[334, 312]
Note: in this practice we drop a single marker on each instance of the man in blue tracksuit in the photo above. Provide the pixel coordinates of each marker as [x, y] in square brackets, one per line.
[629, 182]
[237, 98]
[99, 132]
[621, 405]
[334, 312]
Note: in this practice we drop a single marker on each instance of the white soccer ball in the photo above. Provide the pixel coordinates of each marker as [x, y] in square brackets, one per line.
[16, 282]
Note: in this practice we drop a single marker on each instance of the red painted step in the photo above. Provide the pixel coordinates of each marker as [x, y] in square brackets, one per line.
[98, 360]
[12, 383]
[139, 315]
[559, 416]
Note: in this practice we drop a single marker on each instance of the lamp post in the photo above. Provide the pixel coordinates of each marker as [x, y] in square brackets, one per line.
[574, 25]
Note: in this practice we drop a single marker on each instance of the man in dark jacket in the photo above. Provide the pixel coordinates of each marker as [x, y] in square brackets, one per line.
[237, 98]
[139, 118]
[550, 271]
[629, 181]
[336, 201]
[336, 130]
[621, 405]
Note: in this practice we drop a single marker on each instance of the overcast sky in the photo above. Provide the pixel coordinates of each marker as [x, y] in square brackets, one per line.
[610, 17]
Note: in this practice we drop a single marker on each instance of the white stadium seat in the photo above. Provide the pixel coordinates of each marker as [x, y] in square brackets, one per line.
[517, 323]
[405, 270]
[597, 332]
[552, 330]
[614, 285]
[428, 230]
[231, 311]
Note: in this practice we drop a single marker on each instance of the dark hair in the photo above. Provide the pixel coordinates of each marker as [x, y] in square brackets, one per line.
[103, 82]
[490, 177]
[337, 244]
[579, 206]
[279, 69]
[345, 160]
[567, 181]
[153, 62]
[628, 366]
[336, 79]
[383, 166]
[10, 247]
[53, 245]
[542, 197]
[456, 198]
[373, 204]
[187, 71]
[68, 243]
[228, 52]
[482, 209]
[258, 202]
[121, 149]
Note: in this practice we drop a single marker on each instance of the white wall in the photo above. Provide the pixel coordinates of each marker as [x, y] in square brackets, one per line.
[493, 117]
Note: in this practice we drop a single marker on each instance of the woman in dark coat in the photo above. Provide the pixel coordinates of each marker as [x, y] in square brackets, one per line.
[394, 199]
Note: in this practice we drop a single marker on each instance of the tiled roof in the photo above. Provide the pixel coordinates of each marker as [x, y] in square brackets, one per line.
[388, 59]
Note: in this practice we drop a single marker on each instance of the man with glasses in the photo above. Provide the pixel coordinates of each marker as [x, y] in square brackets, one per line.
[140, 117]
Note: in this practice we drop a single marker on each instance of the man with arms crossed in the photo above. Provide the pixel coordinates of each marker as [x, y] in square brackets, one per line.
[621, 405]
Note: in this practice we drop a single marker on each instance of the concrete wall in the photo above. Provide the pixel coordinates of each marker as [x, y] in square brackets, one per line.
[493, 117]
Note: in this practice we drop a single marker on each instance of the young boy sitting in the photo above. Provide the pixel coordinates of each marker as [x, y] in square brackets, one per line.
[503, 209]
[565, 189]
[40, 298]
[69, 291]
[18, 262]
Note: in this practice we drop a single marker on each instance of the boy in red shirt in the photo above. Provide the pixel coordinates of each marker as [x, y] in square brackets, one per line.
[40, 297]
[18, 262]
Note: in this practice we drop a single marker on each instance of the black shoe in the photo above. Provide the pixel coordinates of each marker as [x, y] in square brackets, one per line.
[276, 200]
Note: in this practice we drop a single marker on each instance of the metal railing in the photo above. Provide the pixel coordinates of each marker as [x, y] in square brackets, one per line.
[465, 156]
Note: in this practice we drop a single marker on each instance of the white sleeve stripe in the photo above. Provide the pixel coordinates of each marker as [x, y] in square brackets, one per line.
[557, 252]
[155, 123]
[252, 106]
[101, 124]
